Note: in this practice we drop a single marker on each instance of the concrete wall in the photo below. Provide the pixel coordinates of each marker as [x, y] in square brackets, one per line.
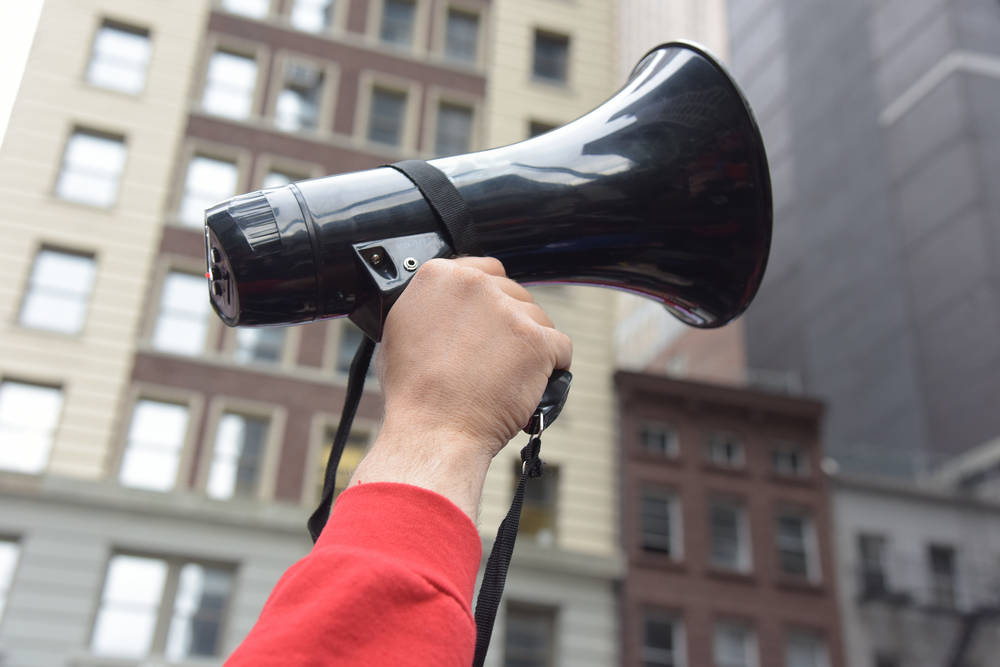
[92, 367]
[879, 290]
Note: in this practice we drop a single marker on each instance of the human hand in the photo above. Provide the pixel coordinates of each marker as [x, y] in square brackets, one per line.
[466, 354]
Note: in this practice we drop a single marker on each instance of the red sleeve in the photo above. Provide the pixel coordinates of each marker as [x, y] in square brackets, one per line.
[389, 582]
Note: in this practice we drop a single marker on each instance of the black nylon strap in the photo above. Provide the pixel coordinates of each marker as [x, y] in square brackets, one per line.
[495, 575]
[355, 385]
[446, 202]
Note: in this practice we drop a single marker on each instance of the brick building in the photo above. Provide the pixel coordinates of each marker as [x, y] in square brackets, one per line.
[726, 527]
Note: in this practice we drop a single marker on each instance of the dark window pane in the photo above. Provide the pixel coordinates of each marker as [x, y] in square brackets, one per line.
[454, 129]
[461, 35]
[551, 56]
[386, 122]
[397, 22]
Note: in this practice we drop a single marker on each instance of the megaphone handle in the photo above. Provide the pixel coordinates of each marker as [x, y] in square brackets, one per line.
[553, 399]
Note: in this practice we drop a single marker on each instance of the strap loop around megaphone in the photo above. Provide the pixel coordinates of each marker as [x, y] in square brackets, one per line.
[447, 204]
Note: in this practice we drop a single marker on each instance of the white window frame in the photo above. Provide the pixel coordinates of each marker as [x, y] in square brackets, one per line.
[368, 81]
[47, 434]
[252, 53]
[790, 460]
[165, 607]
[79, 298]
[750, 648]
[671, 439]
[543, 32]
[158, 313]
[67, 170]
[809, 543]
[93, 61]
[675, 518]
[650, 655]
[444, 11]
[811, 636]
[228, 7]
[275, 417]
[337, 18]
[744, 549]
[8, 568]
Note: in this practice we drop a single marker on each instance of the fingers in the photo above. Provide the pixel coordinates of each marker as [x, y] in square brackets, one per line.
[490, 265]
[561, 347]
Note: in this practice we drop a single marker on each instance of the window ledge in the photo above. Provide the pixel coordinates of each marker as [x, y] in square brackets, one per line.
[800, 584]
[651, 560]
[808, 480]
[736, 471]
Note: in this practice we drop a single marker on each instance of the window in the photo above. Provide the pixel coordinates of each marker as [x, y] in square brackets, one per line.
[725, 450]
[350, 339]
[660, 522]
[872, 559]
[153, 606]
[397, 22]
[530, 636]
[29, 414]
[461, 37]
[538, 514]
[208, 182]
[941, 563]
[790, 461]
[229, 85]
[805, 648]
[734, 645]
[153, 449]
[256, 9]
[259, 345]
[354, 450]
[298, 102]
[237, 457]
[58, 291]
[385, 124]
[454, 129]
[662, 640]
[92, 168]
[537, 127]
[659, 440]
[9, 551]
[182, 323]
[729, 535]
[312, 15]
[551, 56]
[795, 540]
[119, 58]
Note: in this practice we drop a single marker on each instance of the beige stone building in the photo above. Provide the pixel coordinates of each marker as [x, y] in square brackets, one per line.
[140, 440]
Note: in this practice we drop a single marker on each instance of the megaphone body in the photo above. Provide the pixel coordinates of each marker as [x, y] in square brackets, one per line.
[663, 190]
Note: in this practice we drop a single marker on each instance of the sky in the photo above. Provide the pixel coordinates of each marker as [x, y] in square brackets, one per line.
[17, 28]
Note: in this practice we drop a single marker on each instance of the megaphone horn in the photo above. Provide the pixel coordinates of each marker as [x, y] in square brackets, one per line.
[663, 190]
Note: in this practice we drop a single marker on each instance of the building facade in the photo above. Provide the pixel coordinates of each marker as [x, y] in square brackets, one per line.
[143, 441]
[879, 120]
[919, 570]
[726, 527]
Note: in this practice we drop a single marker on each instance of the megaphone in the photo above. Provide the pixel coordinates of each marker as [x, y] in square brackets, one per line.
[663, 191]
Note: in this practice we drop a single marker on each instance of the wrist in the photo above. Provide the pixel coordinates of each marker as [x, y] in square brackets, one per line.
[432, 458]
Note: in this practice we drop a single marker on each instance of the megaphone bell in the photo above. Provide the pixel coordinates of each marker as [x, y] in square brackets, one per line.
[663, 190]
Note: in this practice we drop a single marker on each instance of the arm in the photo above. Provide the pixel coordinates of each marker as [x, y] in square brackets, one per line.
[464, 360]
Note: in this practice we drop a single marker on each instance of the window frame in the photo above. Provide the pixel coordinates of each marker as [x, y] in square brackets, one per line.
[673, 449]
[552, 475]
[238, 46]
[810, 544]
[751, 648]
[934, 589]
[165, 608]
[195, 404]
[121, 26]
[337, 25]
[220, 5]
[373, 28]
[814, 634]
[239, 156]
[28, 283]
[434, 97]
[276, 417]
[60, 386]
[100, 132]
[326, 107]
[863, 570]
[370, 80]
[744, 555]
[314, 463]
[678, 633]
[709, 450]
[782, 448]
[675, 516]
[5, 587]
[535, 609]
[538, 32]
[440, 49]
[165, 265]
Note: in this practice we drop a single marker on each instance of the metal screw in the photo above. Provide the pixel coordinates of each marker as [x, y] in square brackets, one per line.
[376, 258]
[410, 264]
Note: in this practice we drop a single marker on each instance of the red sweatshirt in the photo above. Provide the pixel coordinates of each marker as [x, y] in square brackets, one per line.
[389, 582]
